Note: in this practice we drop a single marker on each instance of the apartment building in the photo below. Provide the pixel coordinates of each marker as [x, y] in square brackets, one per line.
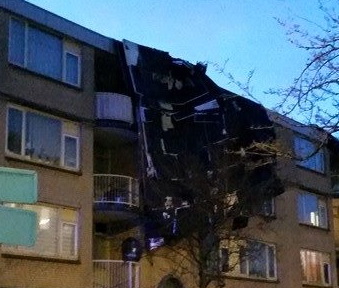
[96, 118]
[302, 225]
[48, 92]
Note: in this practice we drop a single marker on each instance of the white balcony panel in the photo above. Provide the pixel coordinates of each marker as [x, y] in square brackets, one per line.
[114, 106]
[116, 189]
[116, 274]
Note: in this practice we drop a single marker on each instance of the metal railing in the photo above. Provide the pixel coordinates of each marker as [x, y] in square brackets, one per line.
[116, 189]
[116, 274]
[114, 106]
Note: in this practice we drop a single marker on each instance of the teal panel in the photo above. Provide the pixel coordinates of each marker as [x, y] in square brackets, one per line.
[17, 226]
[18, 185]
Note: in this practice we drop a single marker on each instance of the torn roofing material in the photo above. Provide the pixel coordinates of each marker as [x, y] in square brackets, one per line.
[182, 111]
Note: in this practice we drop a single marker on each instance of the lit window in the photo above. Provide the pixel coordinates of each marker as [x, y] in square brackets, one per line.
[43, 52]
[312, 210]
[68, 239]
[309, 155]
[316, 268]
[56, 233]
[41, 138]
[250, 258]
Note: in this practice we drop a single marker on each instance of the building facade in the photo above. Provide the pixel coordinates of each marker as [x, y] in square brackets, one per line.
[96, 119]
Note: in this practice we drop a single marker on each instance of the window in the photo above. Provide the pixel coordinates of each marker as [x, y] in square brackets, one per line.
[44, 53]
[224, 260]
[249, 258]
[71, 68]
[212, 261]
[71, 64]
[257, 259]
[71, 149]
[267, 207]
[56, 233]
[309, 155]
[312, 210]
[41, 138]
[316, 268]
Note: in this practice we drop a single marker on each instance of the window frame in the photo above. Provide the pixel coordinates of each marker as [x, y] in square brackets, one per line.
[62, 136]
[74, 50]
[235, 252]
[322, 263]
[267, 262]
[63, 156]
[61, 238]
[271, 203]
[312, 155]
[58, 237]
[24, 64]
[321, 202]
[67, 48]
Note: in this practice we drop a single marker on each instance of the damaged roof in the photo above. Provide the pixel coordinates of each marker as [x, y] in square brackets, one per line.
[183, 111]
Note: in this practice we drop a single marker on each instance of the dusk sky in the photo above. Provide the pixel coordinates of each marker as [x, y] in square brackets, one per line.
[244, 32]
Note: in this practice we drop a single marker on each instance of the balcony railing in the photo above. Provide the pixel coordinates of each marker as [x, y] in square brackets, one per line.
[116, 189]
[114, 106]
[116, 274]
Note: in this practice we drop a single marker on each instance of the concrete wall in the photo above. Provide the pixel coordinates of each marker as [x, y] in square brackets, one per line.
[56, 186]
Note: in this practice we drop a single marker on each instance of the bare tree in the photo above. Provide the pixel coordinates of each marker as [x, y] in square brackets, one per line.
[224, 192]
[315, 91]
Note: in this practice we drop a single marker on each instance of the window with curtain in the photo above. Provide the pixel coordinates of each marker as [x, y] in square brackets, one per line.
[56, 232]
[315, 267]
[41, 138]
[68, 237]
[312, 210]
[43, 52]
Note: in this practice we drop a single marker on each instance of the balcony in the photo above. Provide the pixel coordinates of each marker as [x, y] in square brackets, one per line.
[114, 106]
[115, 274]
[114, 118]
[115, 196]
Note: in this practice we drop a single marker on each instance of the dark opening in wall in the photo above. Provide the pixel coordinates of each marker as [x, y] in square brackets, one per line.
[108, 73]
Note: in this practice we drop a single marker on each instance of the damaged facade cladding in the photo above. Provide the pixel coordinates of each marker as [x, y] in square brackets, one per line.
[183, 112]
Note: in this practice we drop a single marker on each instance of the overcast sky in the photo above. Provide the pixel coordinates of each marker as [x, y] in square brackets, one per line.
[244, 32]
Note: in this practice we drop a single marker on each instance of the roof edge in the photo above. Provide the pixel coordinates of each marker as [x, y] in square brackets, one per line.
[58, 23]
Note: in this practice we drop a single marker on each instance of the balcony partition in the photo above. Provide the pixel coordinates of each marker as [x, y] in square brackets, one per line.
[115, 274]
[116, 189]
